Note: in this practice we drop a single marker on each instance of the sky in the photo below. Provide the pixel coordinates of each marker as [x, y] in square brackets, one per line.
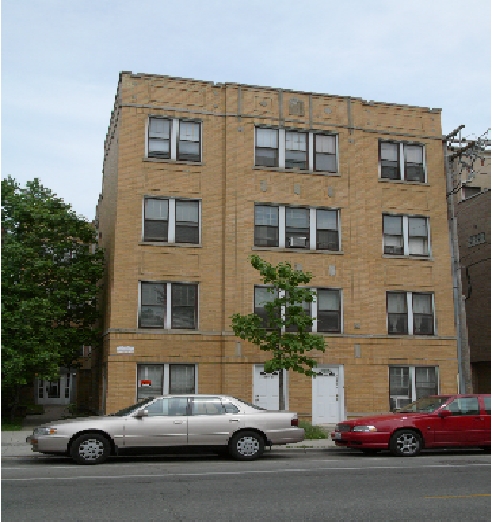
[60, 62]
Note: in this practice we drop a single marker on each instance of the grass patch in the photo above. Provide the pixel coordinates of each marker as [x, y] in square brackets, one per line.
[312, 431]
[8, 424]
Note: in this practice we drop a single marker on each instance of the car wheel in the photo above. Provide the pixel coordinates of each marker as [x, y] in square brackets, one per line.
[405, 443]
[247, 445]
[90, 449]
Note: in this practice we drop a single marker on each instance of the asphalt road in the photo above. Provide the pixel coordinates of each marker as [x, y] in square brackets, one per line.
[327, 485]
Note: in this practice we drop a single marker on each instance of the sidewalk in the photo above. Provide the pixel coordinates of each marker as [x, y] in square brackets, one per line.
[14, 442]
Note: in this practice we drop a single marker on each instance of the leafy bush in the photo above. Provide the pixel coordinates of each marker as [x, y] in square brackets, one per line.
[312, 431]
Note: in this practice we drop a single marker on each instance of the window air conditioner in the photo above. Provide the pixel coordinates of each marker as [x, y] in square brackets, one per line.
[297, 241]
[401, 402]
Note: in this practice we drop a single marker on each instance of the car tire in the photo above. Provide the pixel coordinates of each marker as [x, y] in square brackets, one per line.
[90, 449]
[247, 445]
[405, 443]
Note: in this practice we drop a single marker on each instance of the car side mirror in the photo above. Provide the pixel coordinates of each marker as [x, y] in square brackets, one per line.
[445, 413]
[141, 413]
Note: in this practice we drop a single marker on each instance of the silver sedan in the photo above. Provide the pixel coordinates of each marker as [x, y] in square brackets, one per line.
[215, 422]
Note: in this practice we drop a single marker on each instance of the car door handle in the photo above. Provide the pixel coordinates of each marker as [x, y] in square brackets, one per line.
[178, 422]
[231, 420]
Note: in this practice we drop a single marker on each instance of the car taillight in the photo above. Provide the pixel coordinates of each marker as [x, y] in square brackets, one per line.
[294, 422]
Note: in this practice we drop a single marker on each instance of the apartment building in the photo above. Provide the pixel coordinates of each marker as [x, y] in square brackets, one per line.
[199, 175]
[473, 215]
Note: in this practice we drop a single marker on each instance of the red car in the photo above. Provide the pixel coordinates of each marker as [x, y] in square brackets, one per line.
[431, 422]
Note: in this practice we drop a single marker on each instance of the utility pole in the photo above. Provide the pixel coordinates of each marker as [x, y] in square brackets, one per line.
[466, 153]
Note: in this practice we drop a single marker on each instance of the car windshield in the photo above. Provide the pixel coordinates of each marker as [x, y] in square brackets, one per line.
[429, 404]
[249, 404]
[127, 410]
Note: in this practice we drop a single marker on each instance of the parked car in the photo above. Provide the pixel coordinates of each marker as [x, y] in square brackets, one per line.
[219, 423]
[431, 422]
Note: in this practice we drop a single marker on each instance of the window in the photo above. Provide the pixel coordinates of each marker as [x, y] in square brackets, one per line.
[468, 191]
[263, 296]
[476, 239]
[329, 317]
[327, 237]
[168, 407]
[325, 310]
[266, 225]
[306, 307]
[171, 220]
[174, 139]
[206, 407]
[464, 407]
[296, 153]
[157, 311]
[325, 153]
[290, 149]
[156, 380]
[159, 138]
[407, 384]
[406, 235]
[410, 313]
[486, 400]
[402, 161]
[181, 379]
[297, 227]
[266, 151]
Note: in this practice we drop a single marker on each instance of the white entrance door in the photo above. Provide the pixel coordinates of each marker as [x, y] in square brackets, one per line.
[56, 392]
[327, 395]
[265, 388]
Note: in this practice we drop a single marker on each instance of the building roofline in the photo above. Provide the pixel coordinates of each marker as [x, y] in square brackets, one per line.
[252, 86]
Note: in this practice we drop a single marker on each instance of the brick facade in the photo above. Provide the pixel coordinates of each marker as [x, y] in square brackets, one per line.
[228, 185]
[474, 246]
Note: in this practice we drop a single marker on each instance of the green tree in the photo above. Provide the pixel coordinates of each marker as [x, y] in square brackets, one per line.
[50, 274]
[286, 332]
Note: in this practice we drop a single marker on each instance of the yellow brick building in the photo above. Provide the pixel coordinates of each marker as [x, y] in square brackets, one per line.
[198, 176]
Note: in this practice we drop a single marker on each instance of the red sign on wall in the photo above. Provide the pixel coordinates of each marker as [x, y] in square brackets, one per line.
[145, 383]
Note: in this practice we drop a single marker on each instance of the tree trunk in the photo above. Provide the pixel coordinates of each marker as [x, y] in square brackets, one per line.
[14, 406]
[281, 395]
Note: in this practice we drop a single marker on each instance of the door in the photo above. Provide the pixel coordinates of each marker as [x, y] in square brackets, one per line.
[166, 425]
[327, 401]
[210, 423]
[56, 392]
[265, 388]
[465, 426]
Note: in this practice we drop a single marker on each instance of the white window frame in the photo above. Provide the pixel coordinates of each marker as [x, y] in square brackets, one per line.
[168, 316]
[409, 299]
[171, 234]
[401, 157]
[412, 378]
[313, 307]
[312, 226]
[309, 146]
[174, 137]
[405, 233]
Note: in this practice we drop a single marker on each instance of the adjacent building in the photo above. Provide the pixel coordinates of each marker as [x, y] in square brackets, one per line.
[199, 175]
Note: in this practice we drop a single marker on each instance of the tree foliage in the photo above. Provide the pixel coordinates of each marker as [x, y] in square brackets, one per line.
[50, 275]
[289, 350]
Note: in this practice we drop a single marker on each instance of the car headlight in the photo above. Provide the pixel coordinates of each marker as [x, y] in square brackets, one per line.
[44, 431]
[365, 428]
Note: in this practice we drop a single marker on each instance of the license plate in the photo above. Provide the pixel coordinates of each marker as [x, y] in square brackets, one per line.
[338, 435]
